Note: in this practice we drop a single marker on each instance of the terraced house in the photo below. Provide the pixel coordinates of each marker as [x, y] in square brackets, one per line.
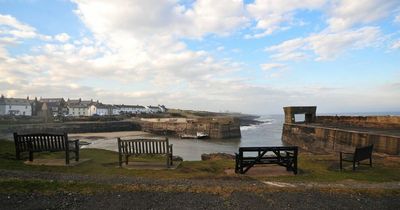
[15, 106]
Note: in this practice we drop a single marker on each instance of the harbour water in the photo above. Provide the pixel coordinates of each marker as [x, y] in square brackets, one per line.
[268, 133]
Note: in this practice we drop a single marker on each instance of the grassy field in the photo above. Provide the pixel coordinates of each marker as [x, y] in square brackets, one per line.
[315, 168]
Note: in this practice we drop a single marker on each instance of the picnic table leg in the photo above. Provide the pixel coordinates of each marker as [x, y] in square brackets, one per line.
[241, 162]
[370, 161]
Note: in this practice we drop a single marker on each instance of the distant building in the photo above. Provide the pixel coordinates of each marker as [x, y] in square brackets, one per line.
[55, 106]
[15, 106]
[100, 109]
[153, 109]
[78, 107]
[128, 109]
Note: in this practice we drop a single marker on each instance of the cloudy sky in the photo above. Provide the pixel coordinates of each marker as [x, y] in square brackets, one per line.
[217, 55]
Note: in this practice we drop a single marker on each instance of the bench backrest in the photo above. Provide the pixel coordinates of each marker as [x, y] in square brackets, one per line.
[363, 153]
[41, 142]
[143, 146]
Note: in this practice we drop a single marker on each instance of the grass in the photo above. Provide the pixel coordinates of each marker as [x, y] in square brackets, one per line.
[315, 168]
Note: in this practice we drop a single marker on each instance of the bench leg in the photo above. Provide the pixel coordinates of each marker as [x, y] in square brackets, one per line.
[354, 165]
[76, 151]
[168, 164]
[30, 156]
[126, 159]
[340, 163]
[77, 155]
[120, 160]
[370, 162]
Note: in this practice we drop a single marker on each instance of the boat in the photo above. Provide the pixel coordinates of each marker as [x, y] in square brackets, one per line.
[199, 135]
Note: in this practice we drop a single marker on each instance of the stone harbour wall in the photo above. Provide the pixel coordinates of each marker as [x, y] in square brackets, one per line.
[327, 140]
[216, 128]
[81, 127]
[388, 122]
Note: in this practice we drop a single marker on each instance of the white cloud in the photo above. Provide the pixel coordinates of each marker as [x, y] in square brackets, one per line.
[220, 48]
[271, 66]
[396, 44]
[162, 17]
[326, 46]
[12, 27]
[397, 19]
[271, 15]
[346, 13]
[63, 37]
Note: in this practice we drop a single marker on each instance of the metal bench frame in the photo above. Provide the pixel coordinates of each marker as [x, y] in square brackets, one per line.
[131, 147]
[43, 142]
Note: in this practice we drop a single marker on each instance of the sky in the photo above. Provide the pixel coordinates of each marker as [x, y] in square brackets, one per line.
[226, 55]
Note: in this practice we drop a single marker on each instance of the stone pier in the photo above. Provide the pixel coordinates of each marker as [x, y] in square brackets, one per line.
[329, 134]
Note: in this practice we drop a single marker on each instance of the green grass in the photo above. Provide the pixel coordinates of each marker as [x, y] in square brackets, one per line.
[325, 168]
[104, 162]
[315, 168]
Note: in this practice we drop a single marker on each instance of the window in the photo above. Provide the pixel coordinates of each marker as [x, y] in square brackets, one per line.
[299, 118]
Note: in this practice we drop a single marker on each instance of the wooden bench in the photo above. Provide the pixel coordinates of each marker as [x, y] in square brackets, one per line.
[45, 143]
[144, 146]
[360, 154]
[283, 156]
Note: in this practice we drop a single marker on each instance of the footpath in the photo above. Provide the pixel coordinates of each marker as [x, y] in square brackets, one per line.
[236, 193]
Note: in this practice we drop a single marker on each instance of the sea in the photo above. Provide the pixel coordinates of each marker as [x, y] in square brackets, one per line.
[267, 133]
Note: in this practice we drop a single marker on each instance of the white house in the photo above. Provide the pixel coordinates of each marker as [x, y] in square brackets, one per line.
[115, 110]
[15, 106]
[99, 109]
[153, 109]
[132, 109]
[78, 110]
[78, 107]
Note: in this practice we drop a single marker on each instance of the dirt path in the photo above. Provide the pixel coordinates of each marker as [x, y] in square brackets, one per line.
[235, 193]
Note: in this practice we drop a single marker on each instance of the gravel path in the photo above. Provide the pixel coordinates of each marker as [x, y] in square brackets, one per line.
[265, 197]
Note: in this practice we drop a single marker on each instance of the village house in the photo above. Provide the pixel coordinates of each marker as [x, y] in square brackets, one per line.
[55, 106]
[100, 109]
[128, 109]
[152, 109]
[15, 106]
[78, 107]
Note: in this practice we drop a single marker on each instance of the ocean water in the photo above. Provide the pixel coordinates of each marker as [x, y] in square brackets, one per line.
[268, 133]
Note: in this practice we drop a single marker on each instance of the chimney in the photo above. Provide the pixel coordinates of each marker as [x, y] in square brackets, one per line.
[2, 96]
[27, 98]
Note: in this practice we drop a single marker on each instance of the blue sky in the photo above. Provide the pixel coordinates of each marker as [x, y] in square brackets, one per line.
[228, 55]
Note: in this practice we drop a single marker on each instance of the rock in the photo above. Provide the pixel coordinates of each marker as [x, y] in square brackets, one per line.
[177, 158]
[217, 156]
